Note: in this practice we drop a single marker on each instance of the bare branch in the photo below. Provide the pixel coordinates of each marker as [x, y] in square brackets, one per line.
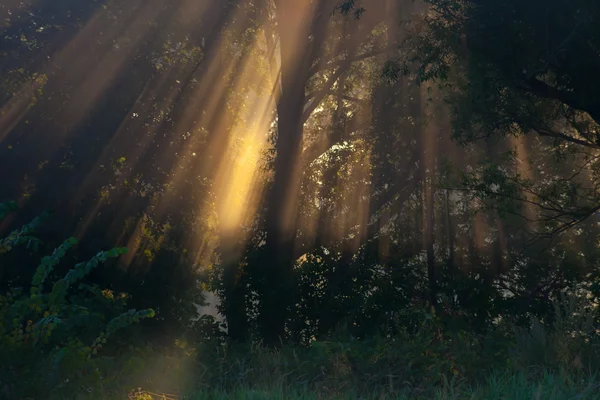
[358, 57]
[558, 135]
[570, 98]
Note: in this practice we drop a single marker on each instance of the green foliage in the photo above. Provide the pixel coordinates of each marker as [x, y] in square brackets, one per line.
[571, 342]
[50, 338]
[347, 7]
[508, 69]
[23, 235]
[430, 362]
[362, 295]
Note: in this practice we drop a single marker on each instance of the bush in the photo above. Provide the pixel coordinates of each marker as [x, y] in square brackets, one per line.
[51, 333]
[571, 342]
[419, 361]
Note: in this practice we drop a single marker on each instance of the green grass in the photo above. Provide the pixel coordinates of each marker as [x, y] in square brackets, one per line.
[260, 381]
[497, 386]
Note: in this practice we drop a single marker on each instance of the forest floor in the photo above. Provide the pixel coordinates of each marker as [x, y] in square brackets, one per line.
[379, 369]
[498, 386]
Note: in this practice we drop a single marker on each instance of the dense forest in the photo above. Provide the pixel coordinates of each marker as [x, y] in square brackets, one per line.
[299, 199]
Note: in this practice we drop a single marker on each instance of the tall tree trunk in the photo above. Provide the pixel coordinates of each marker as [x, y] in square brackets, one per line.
[283, 192]
[429, 239]
[449, 231]
[428, 149]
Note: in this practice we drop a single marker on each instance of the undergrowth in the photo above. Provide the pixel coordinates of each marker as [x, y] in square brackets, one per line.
[557, 361]
[52, 333]
[61, 338]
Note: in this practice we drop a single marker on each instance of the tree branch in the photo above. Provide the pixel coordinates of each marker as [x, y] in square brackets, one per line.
[567, 138]
[571, 99]
[332, 64]
[318, 96]
[343, 96]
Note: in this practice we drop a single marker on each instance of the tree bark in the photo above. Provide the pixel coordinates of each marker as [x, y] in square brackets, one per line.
[283, 192]
[429, 239]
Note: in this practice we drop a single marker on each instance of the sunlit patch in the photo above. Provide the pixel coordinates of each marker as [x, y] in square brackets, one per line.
[525, 171]
[238, 171]
[21, 102]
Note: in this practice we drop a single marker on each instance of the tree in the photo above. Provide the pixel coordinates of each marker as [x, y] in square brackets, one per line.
[512, 68]
[304, 62]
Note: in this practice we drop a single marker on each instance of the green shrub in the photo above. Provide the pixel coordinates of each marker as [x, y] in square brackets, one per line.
[418, 361]
[52, 332]
[21, 236]
[570, 342]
